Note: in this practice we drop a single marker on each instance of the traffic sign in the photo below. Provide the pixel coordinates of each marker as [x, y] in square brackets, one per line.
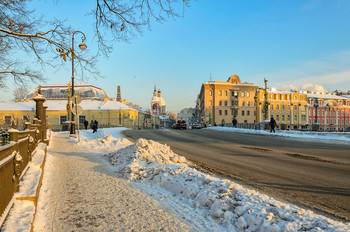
[76, 99]
[77, 110]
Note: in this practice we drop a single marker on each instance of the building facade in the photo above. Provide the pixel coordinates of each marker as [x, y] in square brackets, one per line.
[95, 103]
[220, 102]
[330, 111]
[287, 107]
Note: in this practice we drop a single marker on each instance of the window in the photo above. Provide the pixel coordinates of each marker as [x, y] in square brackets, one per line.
[225, 103]
[283, 118]
[248, 112]
[242, 112]
[303, 118]
[243, 104]
[242, 94]
[220, 93]
[309, 121]
[220, 103]
[26, 118]
[288, 117]
[295, 117]
[225, 93]
[236, 94]
[283, 107]
[82, 119]
[232, 103]
[210, 102]
[277, 107]
[277, 117]
[232, 94]
[271, 106]
[295, 107]
[342, 113]
[248, 94]
[327, 121]
[295, 97]
[322, 111]
[220, 112]
[322, 121]
[248, 103]
[277, 96]
[210, 93]
[310, 112]
[63, 118]
[288, 107]
[225, 112]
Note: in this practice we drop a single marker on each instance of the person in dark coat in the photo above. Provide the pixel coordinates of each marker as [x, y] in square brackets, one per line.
[86, 123]
[273, 124]
[94, 128]
[96, 122]
[234, 122]
[91, 123]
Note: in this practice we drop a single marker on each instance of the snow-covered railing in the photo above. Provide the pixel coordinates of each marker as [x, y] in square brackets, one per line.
[15, 156]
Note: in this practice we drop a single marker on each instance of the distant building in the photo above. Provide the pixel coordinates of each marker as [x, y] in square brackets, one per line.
[186, 114]
[95, 103]
[221, 101]
[330, 111]
[287, 107]
[158, 105]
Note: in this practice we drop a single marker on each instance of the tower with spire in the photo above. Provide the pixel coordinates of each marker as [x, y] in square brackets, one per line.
[158, 105]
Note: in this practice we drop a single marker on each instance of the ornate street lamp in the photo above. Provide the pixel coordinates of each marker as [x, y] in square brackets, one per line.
[82, 47]
[316, 106]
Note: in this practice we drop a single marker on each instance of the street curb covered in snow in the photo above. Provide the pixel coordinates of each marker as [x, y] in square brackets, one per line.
[25, 202]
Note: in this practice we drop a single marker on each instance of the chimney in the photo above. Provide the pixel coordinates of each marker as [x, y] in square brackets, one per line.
[119, 96]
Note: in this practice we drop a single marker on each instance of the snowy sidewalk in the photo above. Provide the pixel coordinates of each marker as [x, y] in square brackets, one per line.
[81, 192]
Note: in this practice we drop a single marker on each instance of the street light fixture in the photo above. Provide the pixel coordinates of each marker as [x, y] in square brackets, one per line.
[82, 47]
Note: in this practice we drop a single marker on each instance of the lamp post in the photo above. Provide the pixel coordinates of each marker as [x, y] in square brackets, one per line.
[212, 87]
[82, 47]
[316, 106]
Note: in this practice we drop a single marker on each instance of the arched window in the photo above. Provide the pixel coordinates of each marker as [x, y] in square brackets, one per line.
[277, 106]
[220, 103]
[225, 93]
[210, 102]
[210, 93]
[248, 103]
[295, 107]
[220, 93]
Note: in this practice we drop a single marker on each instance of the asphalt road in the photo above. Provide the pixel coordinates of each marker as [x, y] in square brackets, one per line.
[315, 175]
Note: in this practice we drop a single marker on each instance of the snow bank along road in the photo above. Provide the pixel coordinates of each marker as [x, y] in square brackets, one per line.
[81, 192]
[309, 173]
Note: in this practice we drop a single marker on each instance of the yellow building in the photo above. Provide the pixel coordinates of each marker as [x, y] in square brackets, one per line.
[287, 107]
[95, 103]
[220, 102]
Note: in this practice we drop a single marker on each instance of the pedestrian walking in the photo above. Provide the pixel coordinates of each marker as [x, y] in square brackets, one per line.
[273, 124]
[91, 123]
[234, 122]
[86, 123]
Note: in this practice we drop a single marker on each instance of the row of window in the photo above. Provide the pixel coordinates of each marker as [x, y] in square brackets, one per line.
[338, 103]
[332, 121]
[233, 93]
[285, 97]
[283, 118]
[63, 118]
[236, 112]
[329, 113]
[283, 106]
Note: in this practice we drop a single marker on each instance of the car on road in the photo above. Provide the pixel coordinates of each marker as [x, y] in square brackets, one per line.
[197, 125]
[181, 124]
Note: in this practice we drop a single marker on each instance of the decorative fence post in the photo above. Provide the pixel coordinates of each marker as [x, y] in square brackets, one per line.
[40, 113]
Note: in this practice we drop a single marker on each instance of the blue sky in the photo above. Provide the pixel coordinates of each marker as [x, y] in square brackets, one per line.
[292, 43]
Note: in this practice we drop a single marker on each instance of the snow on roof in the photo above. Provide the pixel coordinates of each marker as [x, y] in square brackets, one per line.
[327, 96]
[60, 91]
[60, 105]
[17, 106]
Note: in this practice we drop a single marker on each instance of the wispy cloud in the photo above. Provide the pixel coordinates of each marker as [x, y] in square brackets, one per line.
[326, 73]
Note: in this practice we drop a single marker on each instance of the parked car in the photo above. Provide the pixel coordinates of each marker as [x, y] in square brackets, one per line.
[181, 124]
[173, 126]
[196, 125]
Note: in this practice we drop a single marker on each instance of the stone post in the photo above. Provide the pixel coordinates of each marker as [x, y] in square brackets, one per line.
[39, 113]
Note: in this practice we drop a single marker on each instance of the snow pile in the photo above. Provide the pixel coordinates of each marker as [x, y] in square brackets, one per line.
[145, 159]
[226, 203]
[105, 144]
